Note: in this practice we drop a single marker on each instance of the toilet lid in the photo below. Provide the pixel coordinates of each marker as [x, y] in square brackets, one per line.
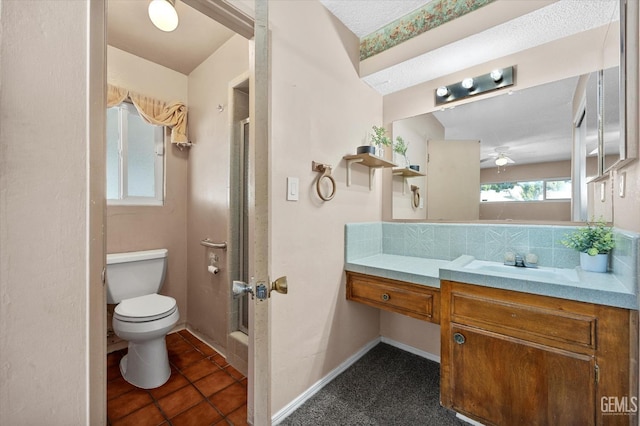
[145, 308]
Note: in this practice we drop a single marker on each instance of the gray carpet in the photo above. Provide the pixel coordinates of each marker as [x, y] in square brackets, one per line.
[387, 386]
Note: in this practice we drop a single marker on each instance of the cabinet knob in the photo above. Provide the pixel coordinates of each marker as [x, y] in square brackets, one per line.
[385, 297]
[459, 338]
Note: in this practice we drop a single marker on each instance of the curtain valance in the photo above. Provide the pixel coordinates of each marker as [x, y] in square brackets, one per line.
[154, 111]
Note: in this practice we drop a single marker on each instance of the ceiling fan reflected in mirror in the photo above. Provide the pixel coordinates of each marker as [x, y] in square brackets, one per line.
[500, 156]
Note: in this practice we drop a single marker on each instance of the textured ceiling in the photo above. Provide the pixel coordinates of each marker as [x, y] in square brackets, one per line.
[363, 17]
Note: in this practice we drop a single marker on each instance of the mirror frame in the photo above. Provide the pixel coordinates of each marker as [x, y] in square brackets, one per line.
[628, 85]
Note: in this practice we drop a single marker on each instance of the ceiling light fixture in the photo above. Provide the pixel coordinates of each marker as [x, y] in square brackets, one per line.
[163, 14]
[496, 79]
[501, 161]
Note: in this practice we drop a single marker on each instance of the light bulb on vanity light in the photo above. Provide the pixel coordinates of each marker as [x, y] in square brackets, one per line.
[442, 91]
[163, 14]
[496, 75]
[467, 83]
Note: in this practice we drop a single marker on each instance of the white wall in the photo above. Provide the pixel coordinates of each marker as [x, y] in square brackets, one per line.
[50, 206]
[320, 111]
[145, 77]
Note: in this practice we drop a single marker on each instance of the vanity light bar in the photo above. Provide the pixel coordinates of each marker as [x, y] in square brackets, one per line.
[496, 79]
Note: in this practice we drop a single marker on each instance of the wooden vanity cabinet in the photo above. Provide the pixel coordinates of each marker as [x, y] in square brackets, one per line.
[511, 358]
[415, 300]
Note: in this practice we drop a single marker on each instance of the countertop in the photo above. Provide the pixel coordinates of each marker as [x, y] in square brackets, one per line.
[592, 287]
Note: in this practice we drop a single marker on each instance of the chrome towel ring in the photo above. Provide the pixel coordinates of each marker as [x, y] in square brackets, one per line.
[325, 169]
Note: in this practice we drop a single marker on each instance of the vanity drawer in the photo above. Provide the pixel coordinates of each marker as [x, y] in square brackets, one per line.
[417, 301]
[573, 326]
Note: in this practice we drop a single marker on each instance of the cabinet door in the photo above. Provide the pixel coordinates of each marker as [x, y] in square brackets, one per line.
[508, 381]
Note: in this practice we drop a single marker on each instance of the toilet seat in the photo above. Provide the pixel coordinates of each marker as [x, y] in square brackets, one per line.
[149, 307]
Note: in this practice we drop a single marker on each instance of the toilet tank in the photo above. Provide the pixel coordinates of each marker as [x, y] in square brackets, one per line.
[135, 273]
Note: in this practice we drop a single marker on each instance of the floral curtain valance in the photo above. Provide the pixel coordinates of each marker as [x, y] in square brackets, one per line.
[154, 111]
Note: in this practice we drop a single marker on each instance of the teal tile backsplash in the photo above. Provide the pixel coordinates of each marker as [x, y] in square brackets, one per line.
[484, 242]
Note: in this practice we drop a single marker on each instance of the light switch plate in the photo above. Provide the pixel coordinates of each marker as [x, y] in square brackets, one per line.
[293, 189]
[622, 178]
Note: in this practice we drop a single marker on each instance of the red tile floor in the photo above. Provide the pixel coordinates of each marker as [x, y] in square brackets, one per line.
[202, 390]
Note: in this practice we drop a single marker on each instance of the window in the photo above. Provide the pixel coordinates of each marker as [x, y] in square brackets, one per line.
[539, 190]
[135, 165]
[558, 189]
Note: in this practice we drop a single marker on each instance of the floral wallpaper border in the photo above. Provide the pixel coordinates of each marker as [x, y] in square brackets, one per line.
[429, 16]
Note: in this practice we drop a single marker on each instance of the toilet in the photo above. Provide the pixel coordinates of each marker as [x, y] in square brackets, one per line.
[142, 317]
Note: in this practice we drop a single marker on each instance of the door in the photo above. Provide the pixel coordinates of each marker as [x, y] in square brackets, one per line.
[453, 180]
[509, 381]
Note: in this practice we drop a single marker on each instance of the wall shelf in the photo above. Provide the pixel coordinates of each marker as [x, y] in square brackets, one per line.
[368, 160]
[406, 172]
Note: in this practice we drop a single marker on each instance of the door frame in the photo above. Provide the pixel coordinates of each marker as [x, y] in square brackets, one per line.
[259, 395]
[259, 378]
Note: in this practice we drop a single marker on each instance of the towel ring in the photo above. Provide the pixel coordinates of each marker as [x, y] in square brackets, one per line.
[325, 169]
[415, 199]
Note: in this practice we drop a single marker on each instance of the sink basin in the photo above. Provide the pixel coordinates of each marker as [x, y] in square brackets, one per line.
[495, 268]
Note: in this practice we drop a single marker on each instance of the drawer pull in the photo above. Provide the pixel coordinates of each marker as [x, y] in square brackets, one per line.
[385, 297]
[459, 338]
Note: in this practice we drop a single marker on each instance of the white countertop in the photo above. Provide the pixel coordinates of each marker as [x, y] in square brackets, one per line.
[592, 287]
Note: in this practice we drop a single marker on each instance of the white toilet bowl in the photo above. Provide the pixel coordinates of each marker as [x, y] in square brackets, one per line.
[144, 322]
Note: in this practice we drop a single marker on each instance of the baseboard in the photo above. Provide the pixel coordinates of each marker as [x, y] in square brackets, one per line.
[205, 340]
[411, 349]
[293, 405]
[468, 420]
[315, 388]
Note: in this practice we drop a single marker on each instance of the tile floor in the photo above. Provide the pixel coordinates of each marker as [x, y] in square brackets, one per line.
[202, 390]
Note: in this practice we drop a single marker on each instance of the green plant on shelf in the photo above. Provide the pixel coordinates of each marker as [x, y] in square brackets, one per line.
[379, 137]
[400, 146]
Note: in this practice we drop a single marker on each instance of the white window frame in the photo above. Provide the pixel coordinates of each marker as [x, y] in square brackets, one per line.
[123, 143]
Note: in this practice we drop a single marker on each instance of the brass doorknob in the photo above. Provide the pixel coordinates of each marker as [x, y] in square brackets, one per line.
[280, 285]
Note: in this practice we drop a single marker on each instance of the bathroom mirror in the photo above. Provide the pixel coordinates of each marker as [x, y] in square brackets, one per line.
[533, 130]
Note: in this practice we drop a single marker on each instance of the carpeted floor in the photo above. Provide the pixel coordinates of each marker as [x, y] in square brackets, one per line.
[387, 386]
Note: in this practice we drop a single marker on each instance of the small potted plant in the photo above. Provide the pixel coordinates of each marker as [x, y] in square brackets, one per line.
[379, 140]
[400, 147]
[594, 242]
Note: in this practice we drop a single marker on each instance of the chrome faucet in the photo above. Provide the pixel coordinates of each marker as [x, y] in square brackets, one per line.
[517, 260]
